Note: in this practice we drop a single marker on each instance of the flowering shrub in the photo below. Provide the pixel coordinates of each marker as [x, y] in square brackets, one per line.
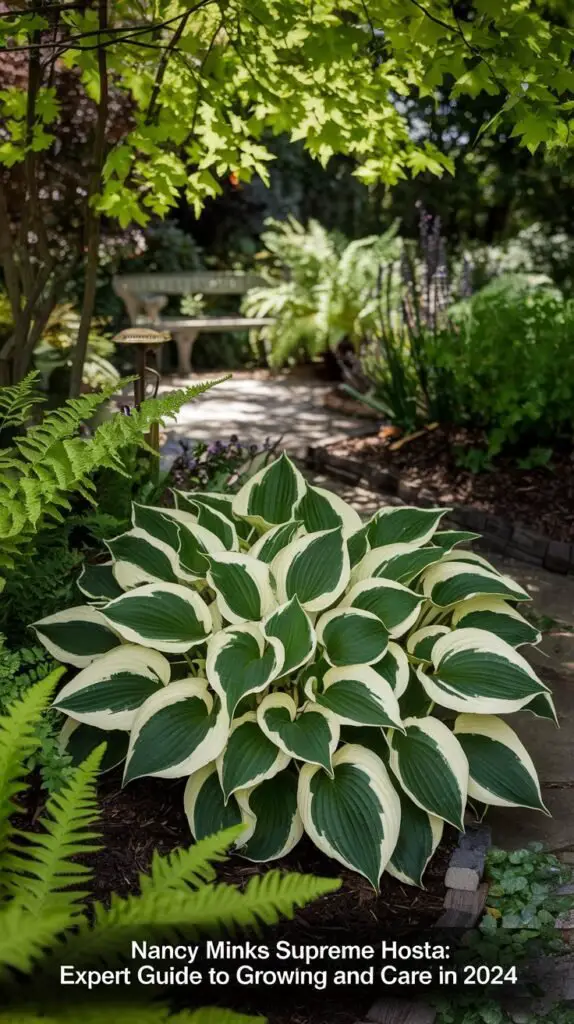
[322, 657]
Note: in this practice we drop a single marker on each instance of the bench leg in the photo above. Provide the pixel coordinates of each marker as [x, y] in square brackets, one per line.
[184, 339]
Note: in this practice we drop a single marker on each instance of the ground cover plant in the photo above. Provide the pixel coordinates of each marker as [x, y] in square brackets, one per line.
[304, 671]
[44, 915]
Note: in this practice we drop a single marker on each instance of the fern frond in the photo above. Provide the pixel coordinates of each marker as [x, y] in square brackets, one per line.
[215, 1015]
[18, 740]
[17, 400]
[182, 869]
[211, 908]
[42, 873]
[24, 938]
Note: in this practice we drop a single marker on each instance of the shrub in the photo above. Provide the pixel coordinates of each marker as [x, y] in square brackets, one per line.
[43, 914]
[502, 355]
[321, 657]
[325, 294]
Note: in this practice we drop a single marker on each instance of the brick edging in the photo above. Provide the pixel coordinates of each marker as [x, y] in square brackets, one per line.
[504, 536]
[464, 904]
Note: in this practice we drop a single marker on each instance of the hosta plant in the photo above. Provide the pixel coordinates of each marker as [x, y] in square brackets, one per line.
[305, 671]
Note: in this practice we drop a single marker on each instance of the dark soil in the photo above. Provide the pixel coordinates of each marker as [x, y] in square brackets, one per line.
[541, 499]
[148, 816]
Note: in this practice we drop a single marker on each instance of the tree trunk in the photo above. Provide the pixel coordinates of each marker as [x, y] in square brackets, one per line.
[93, 218]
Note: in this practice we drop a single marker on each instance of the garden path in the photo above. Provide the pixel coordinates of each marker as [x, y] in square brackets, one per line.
[256, 408]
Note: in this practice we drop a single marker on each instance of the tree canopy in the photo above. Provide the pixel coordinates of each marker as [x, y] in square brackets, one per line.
[200, 85]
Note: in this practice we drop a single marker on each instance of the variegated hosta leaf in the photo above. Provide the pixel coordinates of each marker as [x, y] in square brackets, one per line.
[78, 741]
[394, 668]
[204, 804]
[242, 660]
[418, 839]
[99, 583]
[77, 635]
[451, 582]
[323, 510]
[271, 543]
[473, 558]
[415, 701]
[353, 817]
[400, 562]
[291, 625]
[249, 756]
[140, 558]
[358, 545]
[352, 637]
[166, 616]
[431, 767]
[357, 695]
[189, 541]
[178, 730]
[475, 671]
[310, 735]
[271, 496]
[219, 523]
[404, 525]
[542, 706]
[497, 617]
[274, 825]
[108, 693]
[314, 568]
[394, 604]
[448, 539]
[501, 771]
[242, 586]
[421, 642]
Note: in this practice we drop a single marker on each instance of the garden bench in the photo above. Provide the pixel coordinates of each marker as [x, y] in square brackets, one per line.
[145, 295]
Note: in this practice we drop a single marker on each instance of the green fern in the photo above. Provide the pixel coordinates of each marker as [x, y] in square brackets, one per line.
[89, 1014]
[17, 401]
[44, 467]
[43, 919]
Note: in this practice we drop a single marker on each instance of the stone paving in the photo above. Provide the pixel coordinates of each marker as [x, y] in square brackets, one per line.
[255, 409]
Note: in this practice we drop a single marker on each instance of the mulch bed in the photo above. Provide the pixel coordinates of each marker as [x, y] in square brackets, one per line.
[541, 499]
[149, 816]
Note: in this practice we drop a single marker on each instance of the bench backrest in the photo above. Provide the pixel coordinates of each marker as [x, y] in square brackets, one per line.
[204, 282]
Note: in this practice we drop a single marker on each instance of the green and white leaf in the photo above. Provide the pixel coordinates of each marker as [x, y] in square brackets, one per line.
[501, 771]
[352, 637]
[77, 635]
[431, 768]
[542, 706]
[195, 543]
[421, 642]
[243, 587]
[271, 496]
[404, 525]
[271, 543]
[78, 741]
[448, 539]
[108, 693]
[205, 807]
[140, 558]
[192, 501]
[291, 625]
[475, 671]
[249, 756]
[272, 819]
[314, 568]
[357, 695]
[451, 582]
[400, 562]
[320, 509]
[309, 734]
[166, 616]
[176, 732]
[419, 837]
[353, 817]
[98, 582]
[394, 668]
[394, 604]
[242, 660]
[496, 616]
[358, 545]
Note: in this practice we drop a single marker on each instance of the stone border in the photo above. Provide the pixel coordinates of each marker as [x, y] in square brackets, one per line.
[514, 540]
[464, 904]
